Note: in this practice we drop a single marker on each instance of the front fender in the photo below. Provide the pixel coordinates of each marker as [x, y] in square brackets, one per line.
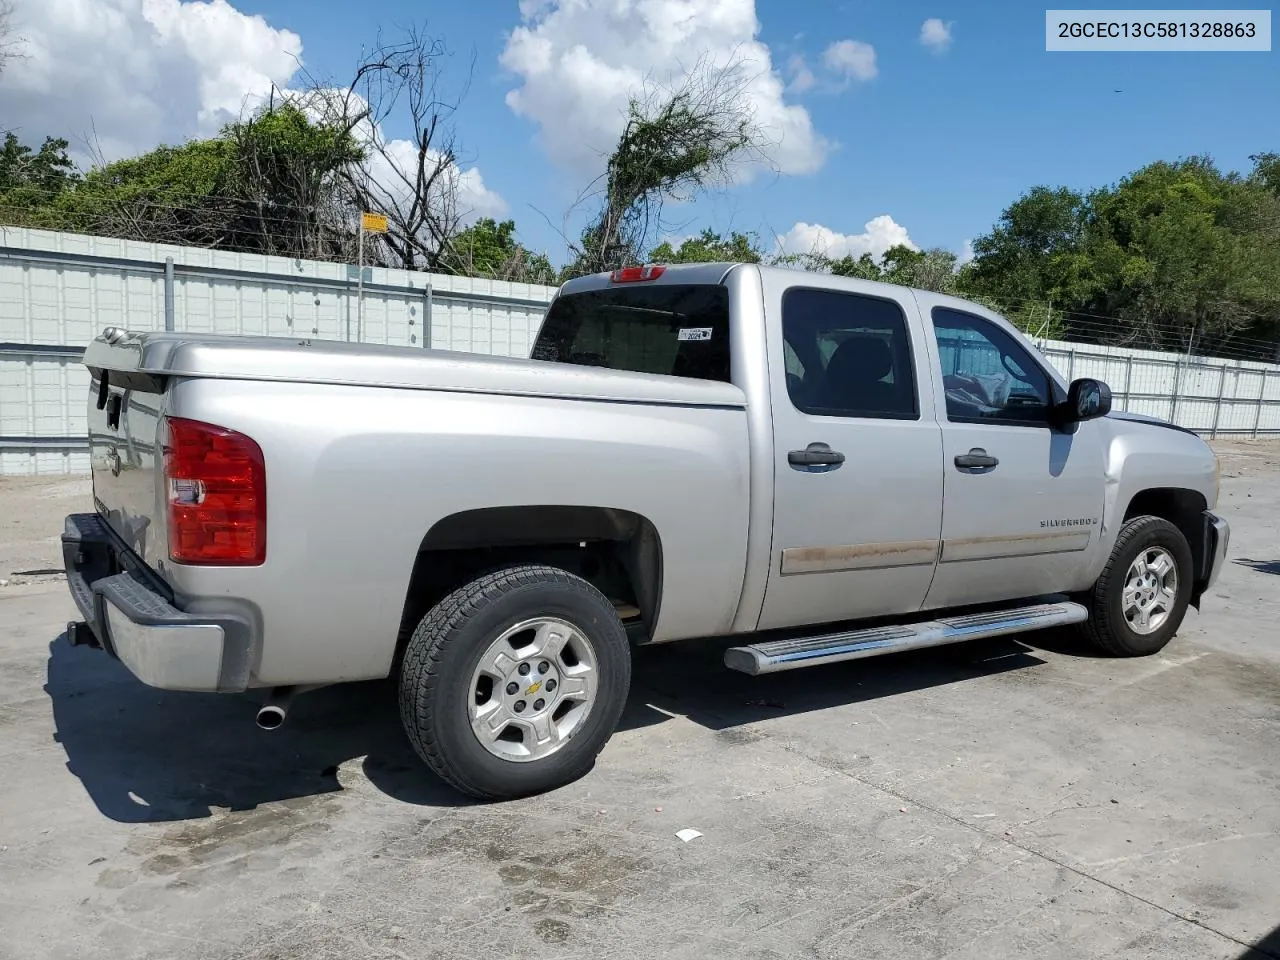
[1142, 457]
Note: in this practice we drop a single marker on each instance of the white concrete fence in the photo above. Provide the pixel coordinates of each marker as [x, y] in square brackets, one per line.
[59, 290]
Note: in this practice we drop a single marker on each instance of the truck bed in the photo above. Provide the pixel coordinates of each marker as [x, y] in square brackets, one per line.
[368, 449]
[296, 360]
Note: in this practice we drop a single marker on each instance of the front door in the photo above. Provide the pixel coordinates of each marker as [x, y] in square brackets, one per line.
[1023, 499]
[858, 458]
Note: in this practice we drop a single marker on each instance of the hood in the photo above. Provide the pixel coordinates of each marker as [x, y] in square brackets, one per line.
[1152, 421]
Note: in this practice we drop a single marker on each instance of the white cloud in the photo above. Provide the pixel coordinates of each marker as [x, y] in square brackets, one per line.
[966, 254]
[139, 72]
[475, 200]
[878, 235]
[395, 168]
[851, 60]
[802, 78]
[578, 61]
[936, 34]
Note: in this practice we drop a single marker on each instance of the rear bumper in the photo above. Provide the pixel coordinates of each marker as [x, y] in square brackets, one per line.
[131, 613]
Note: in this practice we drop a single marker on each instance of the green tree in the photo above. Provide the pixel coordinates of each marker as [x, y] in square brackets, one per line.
[1177, 255]
[1266, 171]
[167, 195]
[672, 146]
[861, 268]
[268, 184]
[1177, 251]
[710, 247]
[933, 269]
[1031, 255]
[48, 170]
[284, 181]
[488, 248]
[32, 180]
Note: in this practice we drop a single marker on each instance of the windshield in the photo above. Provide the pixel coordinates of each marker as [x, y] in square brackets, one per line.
[679, 330]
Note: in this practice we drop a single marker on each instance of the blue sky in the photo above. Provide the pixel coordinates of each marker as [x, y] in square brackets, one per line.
[937, 140]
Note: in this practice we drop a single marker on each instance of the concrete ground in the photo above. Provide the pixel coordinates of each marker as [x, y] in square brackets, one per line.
[997, 799]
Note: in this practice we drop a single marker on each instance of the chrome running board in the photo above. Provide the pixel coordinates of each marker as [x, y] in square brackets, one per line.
[777, 655]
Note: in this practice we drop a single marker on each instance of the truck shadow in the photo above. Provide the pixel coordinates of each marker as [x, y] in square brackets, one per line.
[146, 755]
[1262, 566]
[1268, 946]
[692, 681]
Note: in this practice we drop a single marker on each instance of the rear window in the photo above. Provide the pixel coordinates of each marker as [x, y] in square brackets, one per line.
[674, 330]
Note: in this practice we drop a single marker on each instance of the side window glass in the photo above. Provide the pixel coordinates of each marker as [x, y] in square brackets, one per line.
[794, 368]
[792, 362]
[986, 373]
[852, 355]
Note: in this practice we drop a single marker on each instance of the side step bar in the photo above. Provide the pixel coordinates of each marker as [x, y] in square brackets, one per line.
[777, 655]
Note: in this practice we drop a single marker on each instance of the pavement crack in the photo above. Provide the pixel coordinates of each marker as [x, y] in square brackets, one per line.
[1251, 950]
[1189, 846]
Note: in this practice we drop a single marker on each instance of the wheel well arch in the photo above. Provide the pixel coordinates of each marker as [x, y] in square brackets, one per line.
[1185, 509]
[1174, 504]
[618, 551]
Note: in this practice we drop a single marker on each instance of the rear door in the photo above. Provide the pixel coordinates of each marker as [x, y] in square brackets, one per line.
[1023, 498]
[858, 454]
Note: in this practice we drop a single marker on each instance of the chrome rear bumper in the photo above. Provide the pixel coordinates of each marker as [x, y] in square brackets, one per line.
[134, 618]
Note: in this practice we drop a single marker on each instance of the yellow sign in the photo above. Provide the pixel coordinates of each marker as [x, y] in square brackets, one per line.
[374, 222]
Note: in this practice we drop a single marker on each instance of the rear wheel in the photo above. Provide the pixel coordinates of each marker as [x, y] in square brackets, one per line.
[513, 683]
[1139, 602]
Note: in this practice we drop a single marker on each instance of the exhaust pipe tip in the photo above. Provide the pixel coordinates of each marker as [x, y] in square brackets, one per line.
[271, 716]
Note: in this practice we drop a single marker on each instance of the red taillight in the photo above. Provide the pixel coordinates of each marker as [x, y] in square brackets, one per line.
[216, 494]
[637, 274]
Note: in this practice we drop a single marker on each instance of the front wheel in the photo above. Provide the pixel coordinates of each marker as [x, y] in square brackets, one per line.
[1138, 603]
[513, 684]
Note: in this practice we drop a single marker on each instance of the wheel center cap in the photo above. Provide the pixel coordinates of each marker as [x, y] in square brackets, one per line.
[534, 691]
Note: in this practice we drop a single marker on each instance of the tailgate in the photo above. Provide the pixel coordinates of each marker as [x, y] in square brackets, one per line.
[125, 416]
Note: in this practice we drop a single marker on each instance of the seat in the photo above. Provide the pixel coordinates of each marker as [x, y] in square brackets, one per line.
[854, 379]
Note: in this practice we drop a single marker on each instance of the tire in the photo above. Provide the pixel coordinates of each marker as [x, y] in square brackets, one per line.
[1108, 627]
[443, 682]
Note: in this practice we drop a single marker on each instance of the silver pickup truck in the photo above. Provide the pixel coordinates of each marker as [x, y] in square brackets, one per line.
[820, 468]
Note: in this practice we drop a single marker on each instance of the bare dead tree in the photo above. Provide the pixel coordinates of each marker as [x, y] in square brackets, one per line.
[677, 142]
[10, 42]
[415, 182]
[310, 159]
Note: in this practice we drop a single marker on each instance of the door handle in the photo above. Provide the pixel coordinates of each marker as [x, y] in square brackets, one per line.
[976, 459]
[815, 455]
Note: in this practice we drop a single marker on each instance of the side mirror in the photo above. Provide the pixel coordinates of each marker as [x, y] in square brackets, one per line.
[1086, 399]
